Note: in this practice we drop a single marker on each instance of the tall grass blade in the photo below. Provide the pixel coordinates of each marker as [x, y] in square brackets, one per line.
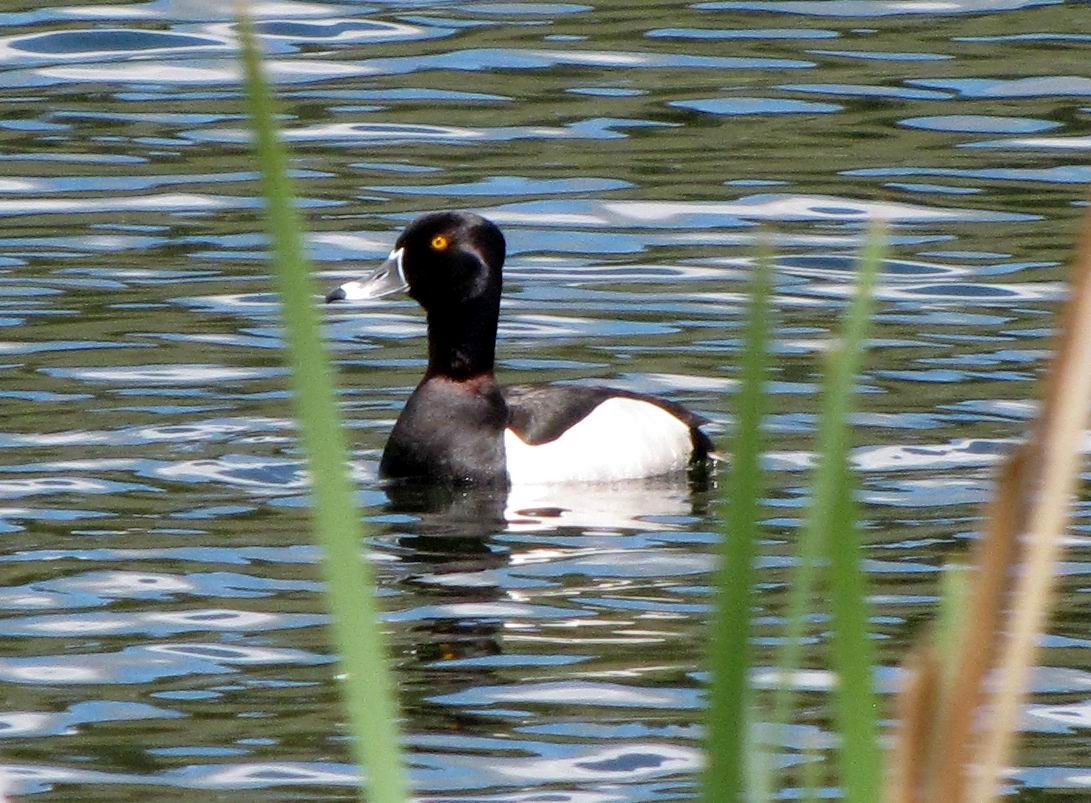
[368, 688]
[811, 774]
[759, 760]
[833, 514]
[967, 642]
[911, 756]
[1053, 471]
[730, 729]
[1030, 499]
[830, 525]
[951, 622]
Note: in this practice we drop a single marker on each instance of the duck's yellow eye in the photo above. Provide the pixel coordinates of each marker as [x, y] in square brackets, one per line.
[439, 243]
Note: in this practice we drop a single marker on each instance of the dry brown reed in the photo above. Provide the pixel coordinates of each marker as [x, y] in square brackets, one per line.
[958, 712]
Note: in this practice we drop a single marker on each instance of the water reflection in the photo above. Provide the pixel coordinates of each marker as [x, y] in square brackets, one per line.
[161, 602]
[482, 595]
[474, 514]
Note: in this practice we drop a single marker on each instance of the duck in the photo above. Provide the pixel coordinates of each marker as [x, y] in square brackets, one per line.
[460, 427]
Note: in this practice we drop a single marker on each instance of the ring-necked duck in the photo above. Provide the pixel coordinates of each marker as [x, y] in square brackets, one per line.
[459, 426]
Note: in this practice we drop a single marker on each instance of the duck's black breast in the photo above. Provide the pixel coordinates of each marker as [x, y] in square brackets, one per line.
[451, 431]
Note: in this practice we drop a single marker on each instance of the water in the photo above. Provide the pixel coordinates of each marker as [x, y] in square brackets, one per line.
[162, 620]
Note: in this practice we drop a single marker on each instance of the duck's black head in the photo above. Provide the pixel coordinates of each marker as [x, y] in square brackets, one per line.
[450, 263]
[443, 260]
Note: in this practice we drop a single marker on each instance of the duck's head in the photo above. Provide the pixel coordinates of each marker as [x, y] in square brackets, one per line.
[444, 259]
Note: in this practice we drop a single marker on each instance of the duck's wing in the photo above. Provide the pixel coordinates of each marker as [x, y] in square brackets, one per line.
[598, 432]
[542, 413]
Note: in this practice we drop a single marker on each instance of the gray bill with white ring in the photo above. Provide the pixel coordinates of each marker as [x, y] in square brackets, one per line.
[387, 279]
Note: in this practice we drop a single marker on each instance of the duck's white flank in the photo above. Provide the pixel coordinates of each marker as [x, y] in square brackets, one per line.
[621, 439]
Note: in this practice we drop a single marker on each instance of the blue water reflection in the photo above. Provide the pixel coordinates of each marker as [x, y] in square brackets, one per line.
[162, 614]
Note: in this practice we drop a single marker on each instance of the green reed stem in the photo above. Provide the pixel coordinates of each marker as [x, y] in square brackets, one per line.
[368, 689]
[811, 774]
[829, 532]
[834, 519]
[954, 602]
[730, 735]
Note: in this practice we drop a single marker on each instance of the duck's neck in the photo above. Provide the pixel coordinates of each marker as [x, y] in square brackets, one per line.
[462, 339]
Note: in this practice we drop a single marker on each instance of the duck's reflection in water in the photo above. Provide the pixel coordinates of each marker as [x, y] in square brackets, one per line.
[632, 506]
[463, 554]
[469, 517]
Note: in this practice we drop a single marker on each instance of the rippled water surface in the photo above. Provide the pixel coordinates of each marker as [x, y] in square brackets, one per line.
[162, 623]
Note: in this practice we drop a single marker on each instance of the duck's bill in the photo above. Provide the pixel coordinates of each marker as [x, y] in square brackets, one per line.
[388, 279]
